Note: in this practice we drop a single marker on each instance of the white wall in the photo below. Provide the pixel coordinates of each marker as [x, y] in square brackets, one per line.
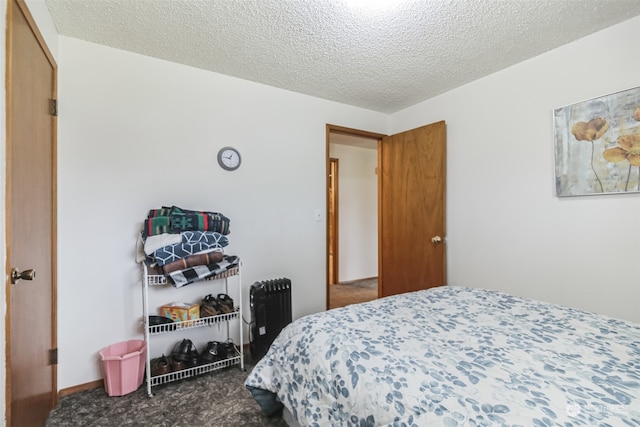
[44, 21]
[506, 230]
[358, 212]
[137, 133]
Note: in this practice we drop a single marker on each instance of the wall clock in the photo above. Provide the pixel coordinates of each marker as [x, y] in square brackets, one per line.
[229, 158]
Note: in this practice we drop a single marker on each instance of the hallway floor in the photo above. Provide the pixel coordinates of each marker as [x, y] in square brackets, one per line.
[353, 292]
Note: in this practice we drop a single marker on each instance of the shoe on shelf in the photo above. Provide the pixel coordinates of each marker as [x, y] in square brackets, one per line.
[226, 303]
[160, 366]
[176, 365]
[229, 348]
[213, 353]
[185, 352]
[210, 307]
[161, 320]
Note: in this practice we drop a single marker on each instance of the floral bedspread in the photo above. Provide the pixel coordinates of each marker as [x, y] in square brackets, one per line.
[452, 356]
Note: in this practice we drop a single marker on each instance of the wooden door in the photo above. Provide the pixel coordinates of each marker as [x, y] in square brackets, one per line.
[412, 210]
[31, 236]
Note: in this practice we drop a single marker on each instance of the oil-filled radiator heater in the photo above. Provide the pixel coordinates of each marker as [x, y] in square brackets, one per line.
[270, 303]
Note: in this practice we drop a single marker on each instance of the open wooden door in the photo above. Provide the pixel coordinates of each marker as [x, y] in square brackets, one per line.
[412, 253]
[31, 230]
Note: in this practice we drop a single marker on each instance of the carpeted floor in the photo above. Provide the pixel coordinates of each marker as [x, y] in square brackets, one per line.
[343, 294]
[214, 399]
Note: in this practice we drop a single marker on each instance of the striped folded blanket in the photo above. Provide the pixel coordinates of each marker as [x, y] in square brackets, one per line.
[207, 221]
[163, 211]
[176, 220]
[192, 274]
[155, 226]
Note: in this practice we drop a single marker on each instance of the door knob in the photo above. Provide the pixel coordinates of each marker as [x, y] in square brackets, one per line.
[25, 275]
[436, 240]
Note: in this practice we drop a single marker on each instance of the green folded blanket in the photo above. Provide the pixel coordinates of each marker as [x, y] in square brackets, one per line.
[177, 220]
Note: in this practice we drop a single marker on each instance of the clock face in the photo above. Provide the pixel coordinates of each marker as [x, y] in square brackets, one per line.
[229, 158]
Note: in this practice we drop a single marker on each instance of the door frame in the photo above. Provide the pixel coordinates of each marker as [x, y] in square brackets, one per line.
[333, 221]
[21, 4]
[351, 132]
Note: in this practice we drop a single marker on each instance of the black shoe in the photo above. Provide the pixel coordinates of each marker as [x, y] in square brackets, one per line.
[214, 352]
[185, 352]
[229, 349]
[161, 320]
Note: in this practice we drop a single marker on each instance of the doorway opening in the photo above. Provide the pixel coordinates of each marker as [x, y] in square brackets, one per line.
[411, 204]
[352, 216]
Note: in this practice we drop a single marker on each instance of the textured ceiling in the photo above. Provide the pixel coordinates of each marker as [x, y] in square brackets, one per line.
[383, 60]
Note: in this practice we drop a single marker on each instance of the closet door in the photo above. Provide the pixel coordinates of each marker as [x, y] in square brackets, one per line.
[31, 207]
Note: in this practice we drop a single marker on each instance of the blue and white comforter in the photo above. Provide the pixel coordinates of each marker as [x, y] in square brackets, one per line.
[453, 356]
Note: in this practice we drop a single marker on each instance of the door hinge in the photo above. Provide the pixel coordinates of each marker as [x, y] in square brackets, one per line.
[53, 356]
[54, 107]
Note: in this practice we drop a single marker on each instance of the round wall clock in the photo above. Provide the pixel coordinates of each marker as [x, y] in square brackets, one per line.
[229, 158]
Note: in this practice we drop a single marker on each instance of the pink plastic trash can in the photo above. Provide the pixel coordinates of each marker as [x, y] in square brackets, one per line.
[123, 366]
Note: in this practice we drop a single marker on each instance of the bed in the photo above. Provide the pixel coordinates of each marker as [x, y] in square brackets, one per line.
[452, 356]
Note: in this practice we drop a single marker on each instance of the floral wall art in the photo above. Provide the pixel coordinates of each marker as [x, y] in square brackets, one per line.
[597, 145]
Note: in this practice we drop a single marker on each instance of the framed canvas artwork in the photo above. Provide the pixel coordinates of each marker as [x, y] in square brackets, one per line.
[597, 145]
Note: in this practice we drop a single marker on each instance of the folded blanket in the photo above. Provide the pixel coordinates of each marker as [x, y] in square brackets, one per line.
[156, 225]
[163, 211]
[155, 242]
[175, 220]
[202, 258]
[192, 243]
[189, 275]
[203, 221]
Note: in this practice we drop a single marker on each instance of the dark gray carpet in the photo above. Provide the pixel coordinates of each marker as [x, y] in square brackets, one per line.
[214, 399]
